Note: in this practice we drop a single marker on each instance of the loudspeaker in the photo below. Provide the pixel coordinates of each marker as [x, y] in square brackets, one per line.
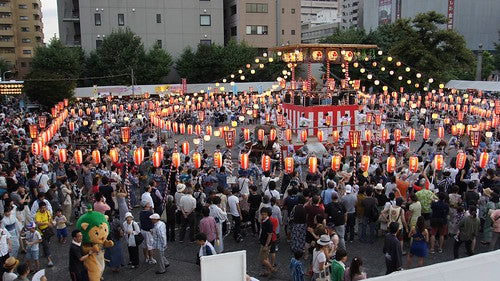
[296, 100]
[287, 98]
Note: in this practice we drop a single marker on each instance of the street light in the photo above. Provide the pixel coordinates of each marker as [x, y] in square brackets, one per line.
[3, 75]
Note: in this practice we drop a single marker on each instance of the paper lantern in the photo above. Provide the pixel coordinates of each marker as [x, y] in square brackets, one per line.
[288, 134]
[484, 158]
[397, 135]
[368, 135]
[182, 128]
[319, 134]
[303, 136]
[438, 162]
[335, 135]
[246, 134]
[461, 159]
[244, 161]
[365, 163]
[272, 134]
[454, 130]
[440, 132]
[71, 126]
[125, 132]
[391, 164]
[46, 152]
[190, 129]
[113, 154]
[139, 156]
[197, 160]
[260, 134]
[427, 133]
[176, 159]
[384, 135]
[185, 148]
[218, 159]
[33, 131]
[413, 164]
[266, 163]
[354, 139]
[157, 159]
[78, 156]
[96, 156]
[378, 119]
[197, 129]
[336, 161]
[289, 165]
[369, 117]
[313, 164]
[475, 138]
[63, 155]
[208, 130]
[36, 148]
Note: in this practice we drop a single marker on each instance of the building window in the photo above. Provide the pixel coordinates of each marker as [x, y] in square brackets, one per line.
[257, 29]
[121, 19]
[3, 4]
[26, 52]
[293, 31]
[97, 19]
[23, 64]
[5, 38]
[159, 43]
[26, 40]
[23, 18]
[36, 17]
[25, 29]
[35, 6]
[233, 10]
[5, 27]
[234, 31]
[282, 32]
[256, 8]
[282, 10]
[23, 6]
[205, 20]
[5, 15]
[98, 43]
[293, 11]
[38, 28]
[205, 42]
[158, 18]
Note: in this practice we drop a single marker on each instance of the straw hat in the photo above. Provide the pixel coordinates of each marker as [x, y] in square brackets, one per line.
[11, 263]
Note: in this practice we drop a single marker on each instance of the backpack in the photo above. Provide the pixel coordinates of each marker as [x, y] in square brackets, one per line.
[156, 199]
[373, 213]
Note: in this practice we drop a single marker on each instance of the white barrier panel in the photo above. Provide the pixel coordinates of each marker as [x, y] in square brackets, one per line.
[224, 267]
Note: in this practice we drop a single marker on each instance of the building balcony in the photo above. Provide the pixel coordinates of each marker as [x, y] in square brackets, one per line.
[9, 32]
[7, 44]
[71, 16]
[5, 9]
[6, 20]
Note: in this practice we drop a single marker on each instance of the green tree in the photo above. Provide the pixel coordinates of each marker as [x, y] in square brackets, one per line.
[488, 65]
[157, 64]
[5, 65]
[55, 69]
[496, 55]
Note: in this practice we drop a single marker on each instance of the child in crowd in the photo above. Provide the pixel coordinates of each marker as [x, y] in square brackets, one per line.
[60, 222]
[33, 239]
[296, 266]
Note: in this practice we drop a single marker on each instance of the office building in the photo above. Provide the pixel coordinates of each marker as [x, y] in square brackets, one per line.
[477, 20]
[352, 14]
[310, 9]
[312, 33]
[262, 23]
[20, 33]
[173, 24]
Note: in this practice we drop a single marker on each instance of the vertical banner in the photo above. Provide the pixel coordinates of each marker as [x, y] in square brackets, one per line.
[260, 90]
[398, 9]
[451, 12]
[384, 11]
[235, 90]
[184, 85]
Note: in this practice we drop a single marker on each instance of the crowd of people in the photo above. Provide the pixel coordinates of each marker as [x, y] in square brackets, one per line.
[319, 212]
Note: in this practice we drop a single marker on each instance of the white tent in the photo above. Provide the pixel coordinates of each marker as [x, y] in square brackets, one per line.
[483, 267]
[490, 86]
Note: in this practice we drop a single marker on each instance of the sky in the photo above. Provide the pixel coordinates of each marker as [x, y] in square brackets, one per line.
[50, 26]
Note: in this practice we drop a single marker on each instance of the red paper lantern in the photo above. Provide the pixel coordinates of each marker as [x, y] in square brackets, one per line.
[440, 132]
[96, 156]
[190, 129]
[46, 152]
[185, 148]
[71, 126]
[397, 135]
[335, 135]
[139, 156]
[454, 130]
[461, 158]
[413, 164]
[484, 158]
[354, 139]
[217, 159]
[365, 163]
[182, 128]
[176, 159]
[288, 134]
[208, 130]
[244, 161]
[197, 160]
[260, 134]
[197, 129]
[272, 134]
[427, 133]
[438, 162]
[266, 163]
[36, 148]
[313, 164]
[63, 155]
[246, 134]
[411, 134]
[391, 164]
[378, 119]
[385, 135]
[319, 134]
[113, 154]
[157, 159]
[303, 136]
[368, 135]
[33, 131]
[336, 161]
[125, 132]
[289, 165]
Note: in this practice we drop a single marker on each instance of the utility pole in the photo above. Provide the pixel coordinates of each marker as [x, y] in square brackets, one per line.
[479, 66]
[132, 76]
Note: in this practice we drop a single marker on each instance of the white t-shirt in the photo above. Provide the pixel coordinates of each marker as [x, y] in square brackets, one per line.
[318, 257]
[42, 181]
[146, 197]
[4, 246]
[232, 201]
[243, 183]
[32, 237]
[272, 194]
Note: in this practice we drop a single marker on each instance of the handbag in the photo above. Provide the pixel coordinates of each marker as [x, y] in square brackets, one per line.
[324, 275]
[48, 232]
[139, 238]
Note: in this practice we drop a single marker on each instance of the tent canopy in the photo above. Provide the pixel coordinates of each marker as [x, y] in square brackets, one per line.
[490, 86]
[482, 267]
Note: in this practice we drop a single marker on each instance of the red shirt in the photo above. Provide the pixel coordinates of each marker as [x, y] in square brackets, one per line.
[275, 223]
